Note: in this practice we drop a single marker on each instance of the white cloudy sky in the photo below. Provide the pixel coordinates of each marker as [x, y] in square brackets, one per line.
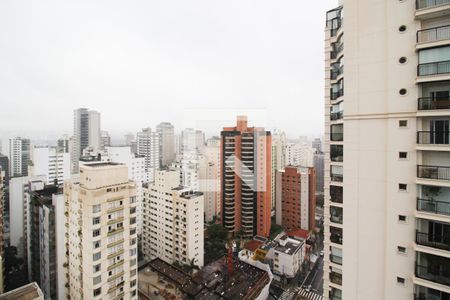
[142, 62]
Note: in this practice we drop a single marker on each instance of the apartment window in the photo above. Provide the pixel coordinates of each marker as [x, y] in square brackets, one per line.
[97, 279]
[403, 155]
[96, 208]
[97, 292]
[96, 232]
[133, 252]
[97, 268]
[402, 218]
[403, 123]
[400, 280]
[402, 187]
[401, 249]
[96, 244]
[133, 283]
[96, 256]
[96, 221]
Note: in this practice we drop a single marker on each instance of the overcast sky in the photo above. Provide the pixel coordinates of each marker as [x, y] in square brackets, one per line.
[143, 62]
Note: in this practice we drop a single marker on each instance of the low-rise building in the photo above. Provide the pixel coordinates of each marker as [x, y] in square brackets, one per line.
[30, 291]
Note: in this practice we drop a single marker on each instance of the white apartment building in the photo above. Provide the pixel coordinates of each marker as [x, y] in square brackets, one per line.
[173, 221]
[387, 205]
[86, 132]
[299, 154]
[289, 255]
[166, 143]
[210, 178]
[19, 156]
[136, 172]
[19, 209]
[51, 162]
[189, 169]
[278, 161]
[148, 147]
[101, 239]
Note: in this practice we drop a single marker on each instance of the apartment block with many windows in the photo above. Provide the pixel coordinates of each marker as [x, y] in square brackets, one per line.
[101, 238]
[387, 224]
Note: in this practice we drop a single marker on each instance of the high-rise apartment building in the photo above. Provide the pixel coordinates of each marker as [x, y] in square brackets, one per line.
[319, 160]
[19, 188]
[19, 156]
[105, 139]
[2, 200]
[387, 162]
[101, 239]
[51, 162]
[246, 176]
[166, 143]
[210, 178]
[192, 141]
[317, 144]
[148, 147]
[86, 132]
[64, 144]
[299, 154]
[278, 161]
[296, 198]
[4, 165]
[46, 244]
[173, 220]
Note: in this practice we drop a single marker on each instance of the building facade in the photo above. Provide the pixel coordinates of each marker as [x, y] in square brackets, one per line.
[299, 154]
[210, 178]
[86, 132]
[51, 162]
[246, 175]
[296, 201]
[148, 147]
[173, 221]
[101, 239]
[166, 133]
[386, 196]
[19, 156]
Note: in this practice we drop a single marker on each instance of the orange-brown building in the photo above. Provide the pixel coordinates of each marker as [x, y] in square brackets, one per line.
[296, 199]
[246, 179]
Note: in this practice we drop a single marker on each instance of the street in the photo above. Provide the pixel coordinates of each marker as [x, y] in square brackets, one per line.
[315, 277]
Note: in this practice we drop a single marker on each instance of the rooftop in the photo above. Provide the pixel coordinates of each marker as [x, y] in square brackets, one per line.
[102, 164]
[30, 291]
[301, 233]
[214, 281]
[253, 245]
[288, 245]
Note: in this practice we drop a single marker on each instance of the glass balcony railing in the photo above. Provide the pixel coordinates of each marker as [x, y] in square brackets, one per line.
[433, 34]
[439, 241]
[434, 68]
[336, 115]
[433, 137]
[427, 103]
[336, 194]
[433, 206]
[436, 272]
[336, 72]
[337, 136]
[433, 172]
[336, 259]
[420, 4]
[336, 278]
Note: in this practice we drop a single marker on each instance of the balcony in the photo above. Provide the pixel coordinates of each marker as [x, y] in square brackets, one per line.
[435, 273]
[433, 137]
[433, 172]
[439, 241]
[335, 72]
[422, 4]
[336, 278]
[434, 68]
[435, 34]
[433, 206]
[337, 153]
[336, 115]
[336, 214]
[336, 259]
[336, 235]
[425, 293]
[428, 103]
[339, 93]
[336, 194]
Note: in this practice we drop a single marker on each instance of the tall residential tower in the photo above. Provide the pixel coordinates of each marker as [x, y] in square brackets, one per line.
[387, 165]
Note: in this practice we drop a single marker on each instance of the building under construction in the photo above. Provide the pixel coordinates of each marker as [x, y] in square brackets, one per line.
[222, 279]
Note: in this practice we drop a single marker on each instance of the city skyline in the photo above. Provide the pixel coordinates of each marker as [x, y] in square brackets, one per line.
[133, 60]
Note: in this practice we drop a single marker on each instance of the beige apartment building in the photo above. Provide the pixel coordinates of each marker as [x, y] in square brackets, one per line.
[173, 220]
[101, 239]
[387, 167]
